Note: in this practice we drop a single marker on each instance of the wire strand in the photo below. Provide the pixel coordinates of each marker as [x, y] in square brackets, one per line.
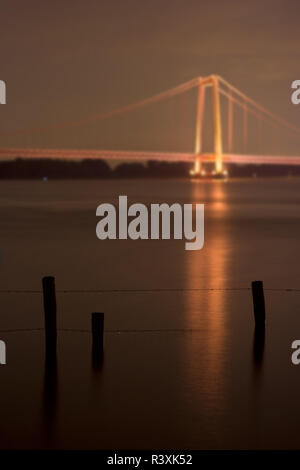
[146, 291]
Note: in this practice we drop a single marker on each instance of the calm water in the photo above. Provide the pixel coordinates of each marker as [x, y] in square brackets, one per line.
[199, 387]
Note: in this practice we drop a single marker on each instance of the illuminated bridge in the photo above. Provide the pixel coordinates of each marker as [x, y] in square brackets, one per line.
[219, 88]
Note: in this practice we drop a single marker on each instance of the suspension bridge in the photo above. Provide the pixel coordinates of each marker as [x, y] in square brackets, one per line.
[218, 157]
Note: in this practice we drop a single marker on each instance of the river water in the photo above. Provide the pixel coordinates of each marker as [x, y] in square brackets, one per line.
[181, 367]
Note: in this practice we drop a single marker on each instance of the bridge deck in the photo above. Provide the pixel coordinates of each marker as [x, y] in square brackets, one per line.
[144, 156]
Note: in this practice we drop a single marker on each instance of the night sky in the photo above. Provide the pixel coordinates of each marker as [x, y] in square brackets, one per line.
[67, 59]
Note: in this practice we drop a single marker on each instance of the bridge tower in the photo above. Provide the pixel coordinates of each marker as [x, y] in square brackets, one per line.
[212, 81]
[199, 121]
[218, 151]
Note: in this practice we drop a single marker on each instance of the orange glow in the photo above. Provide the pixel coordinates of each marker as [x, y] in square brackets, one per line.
[206, 310]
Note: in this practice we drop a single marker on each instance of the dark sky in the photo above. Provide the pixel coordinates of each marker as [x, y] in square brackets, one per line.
[66, 59]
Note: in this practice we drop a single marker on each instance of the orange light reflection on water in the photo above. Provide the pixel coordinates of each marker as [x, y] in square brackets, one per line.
[206, 310]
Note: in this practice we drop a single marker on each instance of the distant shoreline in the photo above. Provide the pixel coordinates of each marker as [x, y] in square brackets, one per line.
[49, 169]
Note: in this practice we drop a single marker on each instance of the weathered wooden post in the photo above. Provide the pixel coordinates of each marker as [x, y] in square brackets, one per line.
[97, 338]
[258, 304]
[258, 345]
[50, 314]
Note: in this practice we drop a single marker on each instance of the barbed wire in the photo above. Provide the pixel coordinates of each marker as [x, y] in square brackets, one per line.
[115, 331]
[146, 291]
[130, 291]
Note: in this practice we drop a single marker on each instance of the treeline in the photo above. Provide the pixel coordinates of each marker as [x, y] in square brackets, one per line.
[262, 171]
[90, 168]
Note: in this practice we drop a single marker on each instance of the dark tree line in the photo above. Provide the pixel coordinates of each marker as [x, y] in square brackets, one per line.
[89, 168]
[71, 169]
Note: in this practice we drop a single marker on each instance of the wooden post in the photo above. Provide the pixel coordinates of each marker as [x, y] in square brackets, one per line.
[97, 337]
[258, 345]
[97, 330]
[258, 303]
[50, 313]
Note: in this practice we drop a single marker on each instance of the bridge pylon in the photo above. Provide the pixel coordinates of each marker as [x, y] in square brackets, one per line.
[199, 121]
[218, 150]
[212, 81]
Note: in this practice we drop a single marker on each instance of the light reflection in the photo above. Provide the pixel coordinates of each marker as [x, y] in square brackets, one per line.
[206, 310]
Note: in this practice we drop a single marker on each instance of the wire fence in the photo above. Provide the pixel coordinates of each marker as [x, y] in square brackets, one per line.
[144, 291]
[130, 291]
[116, 331]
